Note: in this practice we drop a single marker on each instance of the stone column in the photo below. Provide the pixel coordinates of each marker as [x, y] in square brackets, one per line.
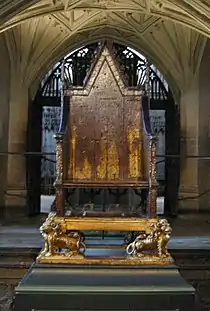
[189, 114]
[195, 141]
[204, 132]
[17, 133]
[4, 116]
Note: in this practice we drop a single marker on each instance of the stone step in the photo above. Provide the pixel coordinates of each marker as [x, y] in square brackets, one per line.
[194, 265]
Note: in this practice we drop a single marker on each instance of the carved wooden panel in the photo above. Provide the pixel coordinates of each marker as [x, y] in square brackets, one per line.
[105, 127]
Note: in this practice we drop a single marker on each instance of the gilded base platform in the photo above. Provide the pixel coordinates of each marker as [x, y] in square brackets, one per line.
[64, 243]
[98, 288]
[111, 261]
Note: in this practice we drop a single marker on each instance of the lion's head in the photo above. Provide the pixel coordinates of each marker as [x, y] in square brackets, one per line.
[163, 228]
[49, 225]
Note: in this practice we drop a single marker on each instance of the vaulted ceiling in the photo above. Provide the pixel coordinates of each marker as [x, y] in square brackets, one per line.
[172, 33]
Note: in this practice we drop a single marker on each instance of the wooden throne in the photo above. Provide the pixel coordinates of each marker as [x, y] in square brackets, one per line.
[105, 141]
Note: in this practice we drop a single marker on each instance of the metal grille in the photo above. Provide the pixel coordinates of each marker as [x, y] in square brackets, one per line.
[77, 65]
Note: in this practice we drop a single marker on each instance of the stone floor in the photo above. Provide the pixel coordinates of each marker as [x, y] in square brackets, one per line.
[190, 234]
[29, 237]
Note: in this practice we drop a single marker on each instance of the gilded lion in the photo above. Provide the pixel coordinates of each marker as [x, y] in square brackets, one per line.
[155, 242]
[56, 239]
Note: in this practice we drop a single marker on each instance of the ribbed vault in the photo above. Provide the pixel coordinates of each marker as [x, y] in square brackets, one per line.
[194, 13]
[169, 33]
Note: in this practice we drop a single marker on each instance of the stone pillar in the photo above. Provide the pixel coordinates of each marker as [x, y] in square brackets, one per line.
[195, 141]
[17, 133]
[204, 132]
[4, 117]
[189, 114]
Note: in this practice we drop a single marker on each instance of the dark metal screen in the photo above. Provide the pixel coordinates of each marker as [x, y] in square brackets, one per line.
[78, 64]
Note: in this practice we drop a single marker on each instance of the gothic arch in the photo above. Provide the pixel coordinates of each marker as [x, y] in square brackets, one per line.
[132, 65]
[48, 30]
[76, 67]
[72, 44]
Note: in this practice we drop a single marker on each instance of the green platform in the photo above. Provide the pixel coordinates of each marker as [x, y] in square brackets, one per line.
[64, 287]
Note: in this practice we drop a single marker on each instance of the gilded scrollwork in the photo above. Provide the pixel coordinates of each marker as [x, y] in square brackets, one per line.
[152, 198]
[58, 242]
[152, 160]
[154, 244]
[59, 158]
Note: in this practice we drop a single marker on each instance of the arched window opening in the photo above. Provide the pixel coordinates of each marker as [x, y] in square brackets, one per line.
[77, 64]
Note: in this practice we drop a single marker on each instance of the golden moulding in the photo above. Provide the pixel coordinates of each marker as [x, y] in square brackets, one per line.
[64, 243]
